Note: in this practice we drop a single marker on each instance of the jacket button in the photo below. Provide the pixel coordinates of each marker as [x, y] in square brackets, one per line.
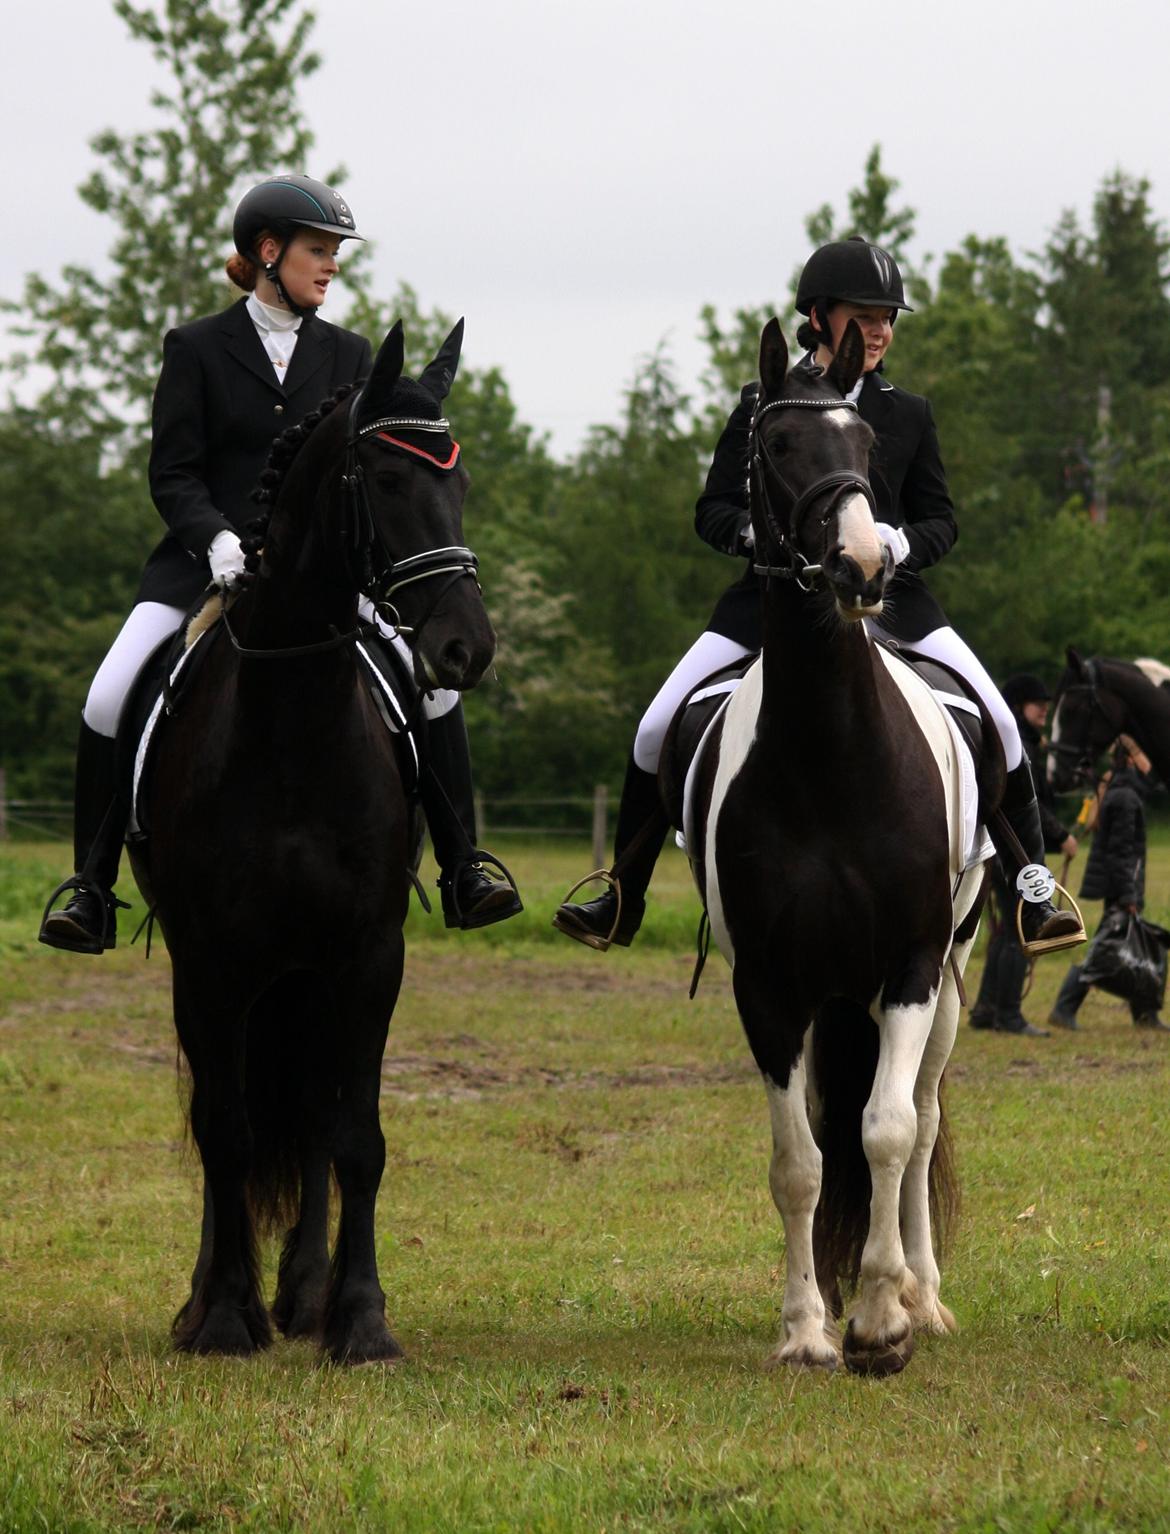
[278, 409]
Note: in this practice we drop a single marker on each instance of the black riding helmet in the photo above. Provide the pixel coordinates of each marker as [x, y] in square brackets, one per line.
[1023, 688]
[281, 205]
[851, 271]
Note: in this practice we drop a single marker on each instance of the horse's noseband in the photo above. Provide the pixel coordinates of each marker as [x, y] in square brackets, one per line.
[798, 568]
[378, 573]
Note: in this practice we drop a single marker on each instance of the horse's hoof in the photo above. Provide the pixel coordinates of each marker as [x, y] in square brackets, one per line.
[300, 1313]
[877, 1360]
[301, 1322]
[372, 1343]
[387, 1351]
[943, 1320]
[803, 1356]
[225, 1332]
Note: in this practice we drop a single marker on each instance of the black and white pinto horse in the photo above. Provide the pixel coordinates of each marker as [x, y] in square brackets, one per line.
[1096, 701]
[826, 836]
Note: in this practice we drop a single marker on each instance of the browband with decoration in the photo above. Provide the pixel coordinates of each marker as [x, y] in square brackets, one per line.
[403, 421]
[807, 404]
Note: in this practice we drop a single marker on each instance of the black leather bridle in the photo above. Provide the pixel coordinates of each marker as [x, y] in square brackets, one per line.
[379, 574]
[373, 568]
[795, 566]
[1082, 755]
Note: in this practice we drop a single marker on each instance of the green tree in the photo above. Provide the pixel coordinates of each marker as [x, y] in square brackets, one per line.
[642, 583]
[870, 214]
[228, 115]
[1107, 298]
[733, 348]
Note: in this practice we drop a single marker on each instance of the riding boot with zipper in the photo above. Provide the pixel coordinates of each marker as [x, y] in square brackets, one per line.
[470, 896]
[1019, 841]
[641, 830]
[87, 922]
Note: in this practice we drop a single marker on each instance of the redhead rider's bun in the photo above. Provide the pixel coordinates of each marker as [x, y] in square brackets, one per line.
[242, 271]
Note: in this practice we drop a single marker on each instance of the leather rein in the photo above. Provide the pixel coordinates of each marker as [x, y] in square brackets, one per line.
[376, 572]
[797, 568]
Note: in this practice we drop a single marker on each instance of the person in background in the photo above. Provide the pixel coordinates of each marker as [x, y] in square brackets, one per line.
[1001, 990]
[1116, 869]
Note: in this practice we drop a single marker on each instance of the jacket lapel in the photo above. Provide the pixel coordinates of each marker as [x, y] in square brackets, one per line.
[314, 349]
[874, 400]
[245, 346]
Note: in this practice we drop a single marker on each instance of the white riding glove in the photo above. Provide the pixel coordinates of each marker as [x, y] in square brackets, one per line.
[226, 558]
[894, 539]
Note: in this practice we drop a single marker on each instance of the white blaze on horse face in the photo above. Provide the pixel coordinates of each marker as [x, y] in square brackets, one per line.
[859, 536]
[1053, 758]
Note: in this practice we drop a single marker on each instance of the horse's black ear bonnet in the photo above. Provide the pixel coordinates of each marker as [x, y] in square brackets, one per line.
[410, 420]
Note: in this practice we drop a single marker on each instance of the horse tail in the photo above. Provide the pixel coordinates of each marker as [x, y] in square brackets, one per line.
[943, 1179]
[277, 1051]
[844, 1060]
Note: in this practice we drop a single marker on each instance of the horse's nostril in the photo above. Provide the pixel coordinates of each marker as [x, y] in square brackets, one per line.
[455, 658]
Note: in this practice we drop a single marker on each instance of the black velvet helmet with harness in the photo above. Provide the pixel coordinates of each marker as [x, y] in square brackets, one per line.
[280, 206]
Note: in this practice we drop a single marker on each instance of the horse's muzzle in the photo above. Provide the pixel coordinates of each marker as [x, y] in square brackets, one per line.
[857, 595]
[455, 663]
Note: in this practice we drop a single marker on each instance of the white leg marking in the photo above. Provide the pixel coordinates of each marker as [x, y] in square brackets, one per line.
[920, 1293]
[795, 1180]
[889, 1130]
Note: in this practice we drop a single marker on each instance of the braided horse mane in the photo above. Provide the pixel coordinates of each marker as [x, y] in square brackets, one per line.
[283, 451]
[280, 458]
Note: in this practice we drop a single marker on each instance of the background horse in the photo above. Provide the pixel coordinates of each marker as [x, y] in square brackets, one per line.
[278, 857]
[834, 874]
[1096, 701]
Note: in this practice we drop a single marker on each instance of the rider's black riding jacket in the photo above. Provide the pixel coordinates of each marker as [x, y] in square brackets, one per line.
[909, 486]
[217, 407]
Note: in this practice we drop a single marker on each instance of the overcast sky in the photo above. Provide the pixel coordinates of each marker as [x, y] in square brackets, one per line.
[578, 179]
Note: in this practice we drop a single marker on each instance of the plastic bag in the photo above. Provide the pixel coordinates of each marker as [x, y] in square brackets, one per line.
[1128, 958]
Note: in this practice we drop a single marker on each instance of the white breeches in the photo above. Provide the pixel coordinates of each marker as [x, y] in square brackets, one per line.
[711, 651]
[150, 623]
[945, 645]
[708, 653]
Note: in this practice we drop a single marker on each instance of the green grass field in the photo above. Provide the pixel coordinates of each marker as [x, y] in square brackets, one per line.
[582, 1260]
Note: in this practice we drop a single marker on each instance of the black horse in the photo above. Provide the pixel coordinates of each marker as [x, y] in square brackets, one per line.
[825, 828]
[1096, 701]
[279, 857]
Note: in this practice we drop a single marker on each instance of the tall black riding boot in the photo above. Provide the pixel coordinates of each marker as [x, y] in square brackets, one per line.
[641, 830]
[87, 923]
[985, 1012]
[1019, 841]
[471, 897]
[1011, 977]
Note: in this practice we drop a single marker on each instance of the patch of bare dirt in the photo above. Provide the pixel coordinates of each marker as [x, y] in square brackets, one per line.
[413, 1076]
[459, 975]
